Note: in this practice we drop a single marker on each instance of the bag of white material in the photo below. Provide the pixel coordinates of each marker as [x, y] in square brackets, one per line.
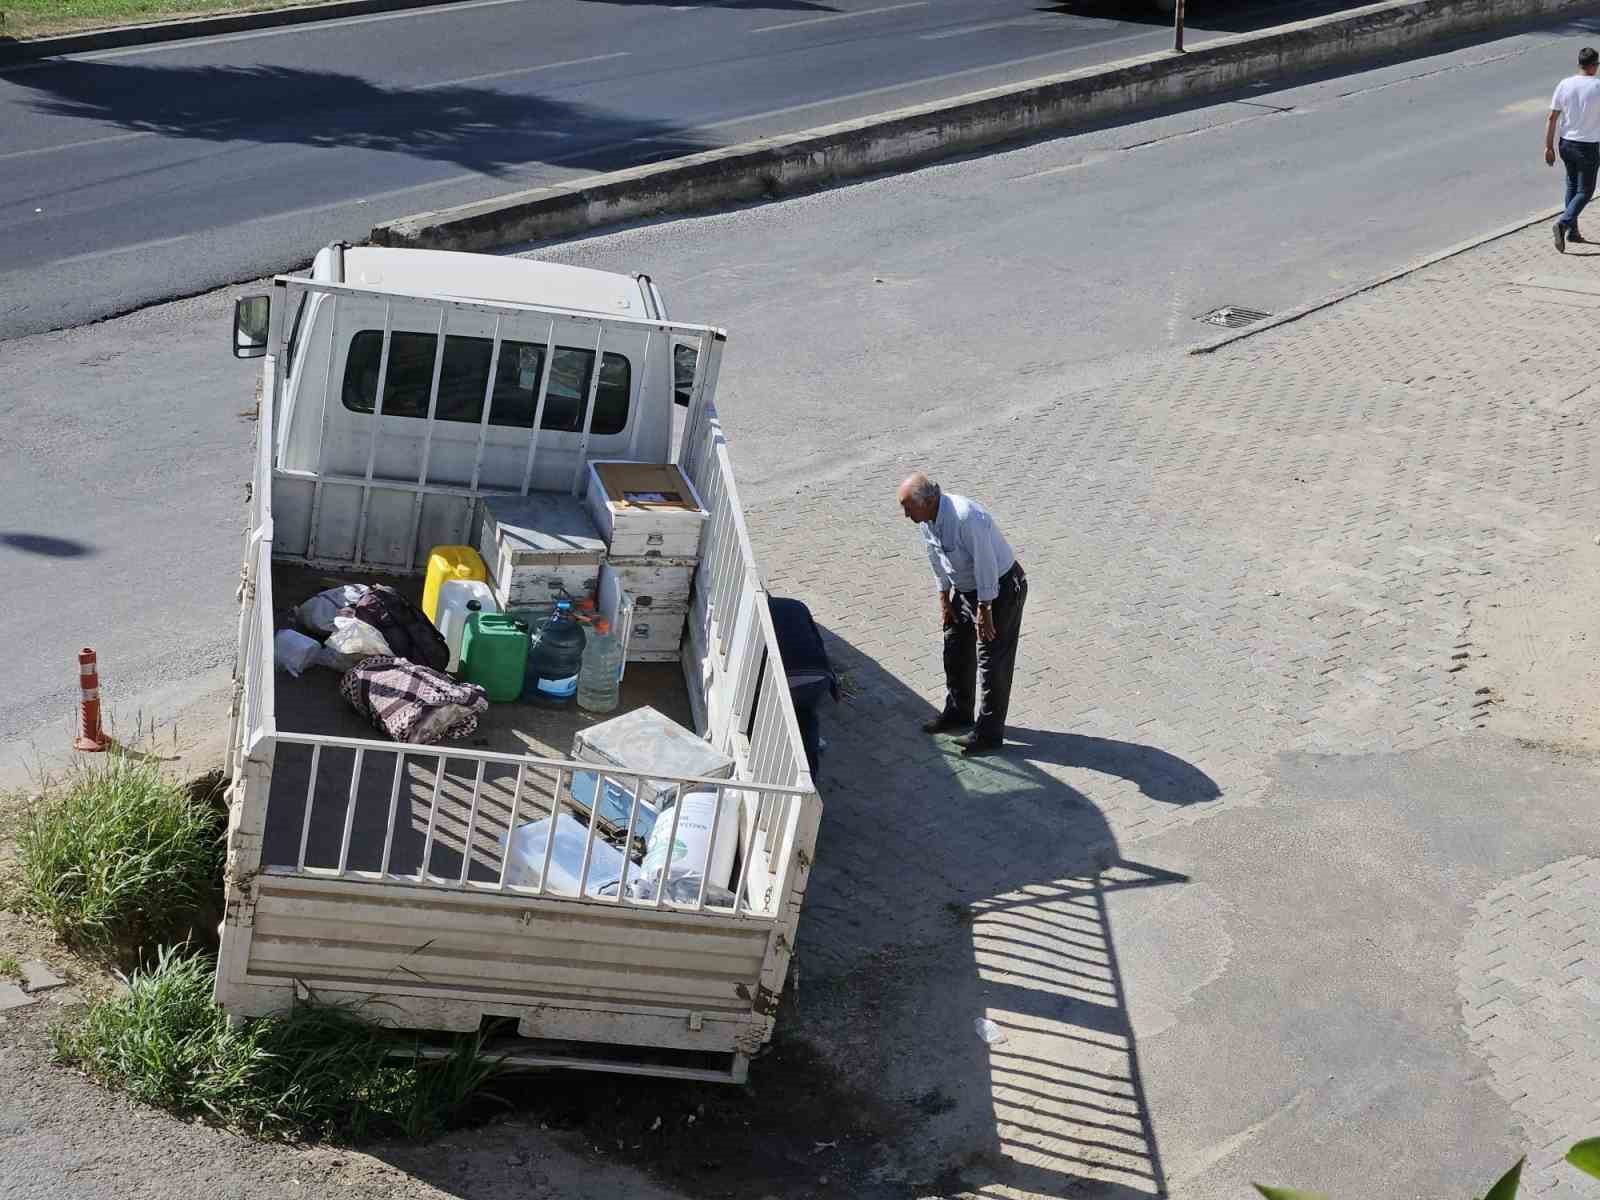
[355, 640]
[293, 652]
[317, 614]
[685, 865]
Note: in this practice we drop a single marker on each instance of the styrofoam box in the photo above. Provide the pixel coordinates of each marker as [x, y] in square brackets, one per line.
[645, 509]
[539, 547]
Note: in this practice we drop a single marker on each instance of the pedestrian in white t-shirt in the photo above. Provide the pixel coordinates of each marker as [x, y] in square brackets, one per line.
[1575, 109]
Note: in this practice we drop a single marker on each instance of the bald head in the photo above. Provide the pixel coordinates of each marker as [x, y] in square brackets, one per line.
[919, 498]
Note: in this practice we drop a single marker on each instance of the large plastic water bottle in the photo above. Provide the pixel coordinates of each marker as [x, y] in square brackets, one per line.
[599, 679]
[554, 658]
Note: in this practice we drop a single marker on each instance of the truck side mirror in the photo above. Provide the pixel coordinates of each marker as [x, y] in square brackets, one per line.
[252, 317]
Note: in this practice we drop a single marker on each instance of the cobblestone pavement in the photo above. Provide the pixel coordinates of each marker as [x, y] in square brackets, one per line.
[1273, 547]
[1530, 999]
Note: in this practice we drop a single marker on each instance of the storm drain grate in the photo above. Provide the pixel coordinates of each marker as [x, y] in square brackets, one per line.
[1234, 316]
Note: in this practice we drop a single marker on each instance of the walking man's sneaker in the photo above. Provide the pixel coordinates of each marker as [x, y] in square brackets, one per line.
[1561, 238]
[945, 723]
[1574, 236]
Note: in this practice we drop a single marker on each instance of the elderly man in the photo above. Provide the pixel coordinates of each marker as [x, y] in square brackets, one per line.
[981, 593]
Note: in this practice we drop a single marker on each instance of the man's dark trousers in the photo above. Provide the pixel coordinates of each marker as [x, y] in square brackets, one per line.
[969, 660]
[1582, 160]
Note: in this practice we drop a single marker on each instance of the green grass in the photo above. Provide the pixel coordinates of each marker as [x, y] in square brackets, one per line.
[39, 18]
[10, 968]
[317, 1074]
[117, 858]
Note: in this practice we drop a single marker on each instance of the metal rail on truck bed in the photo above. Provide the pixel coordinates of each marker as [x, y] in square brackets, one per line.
[431, 948]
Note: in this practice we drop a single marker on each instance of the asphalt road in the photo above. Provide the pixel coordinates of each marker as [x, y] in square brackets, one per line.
[881, 310]
[137, 175]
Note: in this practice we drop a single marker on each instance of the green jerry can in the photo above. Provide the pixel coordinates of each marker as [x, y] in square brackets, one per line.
[494, 654]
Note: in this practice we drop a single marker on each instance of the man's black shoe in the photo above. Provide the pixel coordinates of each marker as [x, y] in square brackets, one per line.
[1574, 236]
[1560, 236]
[944, 723]
[973, 746]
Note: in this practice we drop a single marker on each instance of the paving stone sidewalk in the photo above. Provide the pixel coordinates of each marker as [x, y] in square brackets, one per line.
[1274, 547]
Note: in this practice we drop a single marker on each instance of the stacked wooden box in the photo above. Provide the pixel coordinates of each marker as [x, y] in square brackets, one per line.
[650, 519]
[539, 548]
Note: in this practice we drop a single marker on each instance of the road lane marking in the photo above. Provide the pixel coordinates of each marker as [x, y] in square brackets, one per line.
[1039, 22]
[571, 62]
[865, 12]
[99, 141]
[128, 249]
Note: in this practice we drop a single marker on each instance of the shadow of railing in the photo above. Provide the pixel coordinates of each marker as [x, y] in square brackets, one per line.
[1026, 1017]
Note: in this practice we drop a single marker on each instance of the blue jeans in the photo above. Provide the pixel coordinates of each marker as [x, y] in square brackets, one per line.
[1583, 164]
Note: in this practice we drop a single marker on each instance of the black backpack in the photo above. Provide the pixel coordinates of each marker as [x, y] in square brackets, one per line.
[403, 625]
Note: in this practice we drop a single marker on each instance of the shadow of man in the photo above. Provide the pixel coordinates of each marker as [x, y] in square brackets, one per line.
[959, 910]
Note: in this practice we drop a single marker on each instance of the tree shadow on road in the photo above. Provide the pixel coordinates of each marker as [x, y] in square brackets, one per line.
[758, 5]
[472, 124]
[1219, 16]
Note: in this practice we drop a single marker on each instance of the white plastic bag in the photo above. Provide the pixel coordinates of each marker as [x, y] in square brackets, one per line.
[355, 639]
[527, 851]
[292, 651]
[318, 613]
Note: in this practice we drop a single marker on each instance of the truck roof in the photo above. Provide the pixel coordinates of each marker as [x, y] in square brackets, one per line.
[488, 277]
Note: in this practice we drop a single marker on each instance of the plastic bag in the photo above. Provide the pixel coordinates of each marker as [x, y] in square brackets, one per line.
[292, 651]
[355, 639]
[317, 614]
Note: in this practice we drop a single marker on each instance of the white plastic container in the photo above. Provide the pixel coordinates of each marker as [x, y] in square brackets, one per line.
[692, 840]
[457, 598]
[566, 858]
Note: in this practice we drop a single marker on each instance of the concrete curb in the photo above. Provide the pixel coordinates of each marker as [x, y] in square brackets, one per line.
[1328, 301]
[922, 134]
[20, 51]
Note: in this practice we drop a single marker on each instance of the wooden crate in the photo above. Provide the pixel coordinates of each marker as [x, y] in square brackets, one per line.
[645, 510]
[656, 634]
[655, 583]
[539, 547]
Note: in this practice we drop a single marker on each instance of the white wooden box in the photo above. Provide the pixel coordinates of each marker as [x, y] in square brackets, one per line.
[645, 509]
[655, 583]
[656, 635]
[539, 547]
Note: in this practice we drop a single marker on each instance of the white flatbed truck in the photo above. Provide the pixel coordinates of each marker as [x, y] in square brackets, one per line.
[400, 388]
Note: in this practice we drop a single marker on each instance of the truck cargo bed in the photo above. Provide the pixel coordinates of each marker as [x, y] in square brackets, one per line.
[311, 704]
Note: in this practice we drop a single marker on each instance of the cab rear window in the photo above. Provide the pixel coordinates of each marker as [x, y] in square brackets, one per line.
[464, 377]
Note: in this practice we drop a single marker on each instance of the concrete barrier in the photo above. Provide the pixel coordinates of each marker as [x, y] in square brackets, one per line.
[910, 137]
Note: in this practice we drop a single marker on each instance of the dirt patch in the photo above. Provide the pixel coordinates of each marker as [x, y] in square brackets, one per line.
[1534, 663]
[795, 1130]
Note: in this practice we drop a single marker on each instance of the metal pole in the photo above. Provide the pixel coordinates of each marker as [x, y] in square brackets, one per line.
[1177, 27]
